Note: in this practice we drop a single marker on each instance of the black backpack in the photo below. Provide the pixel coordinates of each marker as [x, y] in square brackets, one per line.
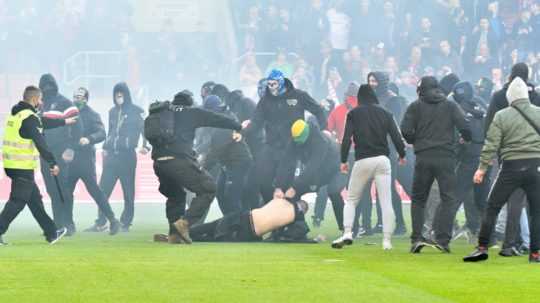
[159, 125]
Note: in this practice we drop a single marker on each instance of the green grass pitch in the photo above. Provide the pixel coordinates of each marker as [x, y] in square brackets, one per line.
[130, 268]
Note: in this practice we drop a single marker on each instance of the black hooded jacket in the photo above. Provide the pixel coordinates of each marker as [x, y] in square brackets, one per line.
[276, 114]
[499, 102]
[125, 123]
[431, 121]
[319, 157]
[92, 129]
[54, 104]
[370, 125]
[475, 113]
[390, 102]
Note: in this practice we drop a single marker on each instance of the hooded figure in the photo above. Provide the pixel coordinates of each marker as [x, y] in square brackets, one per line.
[387, 99]
[430, 121]
[448, 82]
[120, 161]
[62, 141]
[499, 100]
[125, 122]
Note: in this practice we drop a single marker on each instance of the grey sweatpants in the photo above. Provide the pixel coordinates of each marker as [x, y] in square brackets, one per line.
[363, 172]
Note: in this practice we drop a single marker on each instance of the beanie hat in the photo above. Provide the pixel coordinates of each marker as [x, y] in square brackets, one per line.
[352, 89]
[366, 95]
[520, 70]
[300, 131]
[518, 90]
[213, 103]
[448, 82]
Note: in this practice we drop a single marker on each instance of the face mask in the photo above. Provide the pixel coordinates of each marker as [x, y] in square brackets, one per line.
[273, 88]
[120, 100]
[80, 103]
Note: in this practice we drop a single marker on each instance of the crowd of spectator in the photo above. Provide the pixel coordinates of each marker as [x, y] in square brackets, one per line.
[322, 45]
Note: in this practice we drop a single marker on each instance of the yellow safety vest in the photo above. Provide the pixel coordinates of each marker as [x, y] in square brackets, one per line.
[18, 152]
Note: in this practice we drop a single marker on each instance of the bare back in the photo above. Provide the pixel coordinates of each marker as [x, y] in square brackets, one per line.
[275, 214]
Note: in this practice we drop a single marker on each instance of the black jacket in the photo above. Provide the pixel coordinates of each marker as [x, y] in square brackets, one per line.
[499, 102]
[125, 123]
[55, 105]
[243, 108]
[319, 158]
[222, 149]
[92, 129]
[277, 114]
[187, 120]
[30, 129]
[369, 125]
[431, 121]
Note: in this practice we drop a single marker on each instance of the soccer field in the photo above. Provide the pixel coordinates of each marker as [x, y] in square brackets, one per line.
[131, 268]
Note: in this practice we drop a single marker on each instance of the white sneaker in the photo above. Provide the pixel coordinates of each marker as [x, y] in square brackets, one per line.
[387, 244]
[346, 239]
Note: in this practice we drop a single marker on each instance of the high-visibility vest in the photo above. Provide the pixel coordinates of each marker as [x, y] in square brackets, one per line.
[18, 152]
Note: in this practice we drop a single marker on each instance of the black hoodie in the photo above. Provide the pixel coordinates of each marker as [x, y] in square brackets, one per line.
[431, 121]
[319, 159]
[475, 113]
[387, 100]
[276, 114]
[55, 104]
[125, 123]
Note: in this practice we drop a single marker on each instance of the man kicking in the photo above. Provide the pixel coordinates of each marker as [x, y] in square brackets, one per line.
[244, 226]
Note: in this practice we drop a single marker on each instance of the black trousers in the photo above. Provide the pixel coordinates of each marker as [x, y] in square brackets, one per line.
[430, 167]
[24, 191]
[266, 167]
[119, 166]
[333, 191]
[514, 174]
[83, 168]
[396, 198]
[179, 174]
[62, 208]
[231, 182]
[465, 192]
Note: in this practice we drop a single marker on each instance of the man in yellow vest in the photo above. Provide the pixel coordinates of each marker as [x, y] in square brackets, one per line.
[23, 144]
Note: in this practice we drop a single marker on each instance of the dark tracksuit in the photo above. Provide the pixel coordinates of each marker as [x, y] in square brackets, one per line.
[234, 161]
[516, 201]
[120, 158]
[429, 124]
[243, 108]
[59, 140]
[319, 166]
[469, 194]
[276, 114]
[396, 106]
[24, 190]
[177, 168]
[83, 166]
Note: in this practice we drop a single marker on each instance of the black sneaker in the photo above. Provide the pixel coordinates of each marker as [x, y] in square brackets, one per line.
[400, 230]
[417, 246]
[524, 250]
[480, 254]
[510, 252]
[96, 228]
[534, 257]
[59, 235]
[114, 227]
[2, 243]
